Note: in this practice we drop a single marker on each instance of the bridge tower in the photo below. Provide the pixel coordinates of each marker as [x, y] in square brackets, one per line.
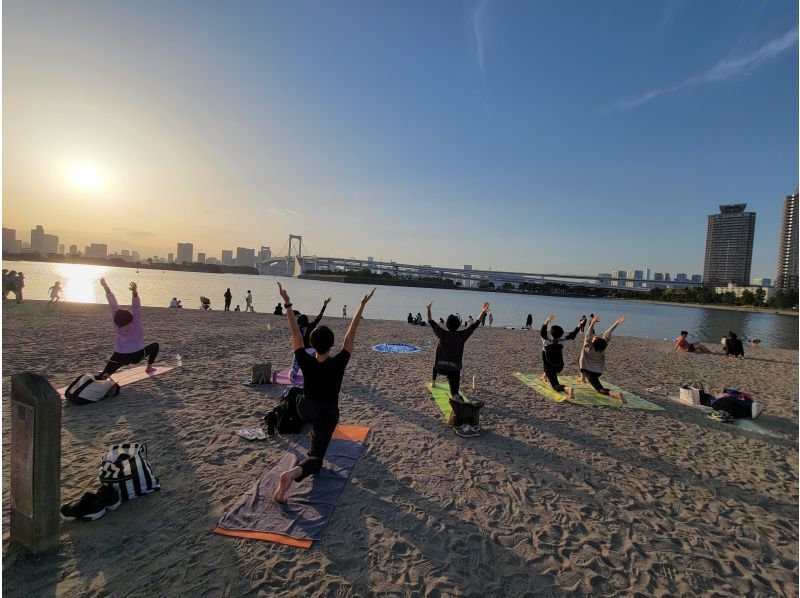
[296, 266]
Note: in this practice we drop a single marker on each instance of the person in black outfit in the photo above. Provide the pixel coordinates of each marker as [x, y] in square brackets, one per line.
[551, 354]
[410, 318]
[278, 310]
[529, 322]
[733, 346]
[228, 296]
[582, 322]
[319, 404]
[306, 328]
[450, 350]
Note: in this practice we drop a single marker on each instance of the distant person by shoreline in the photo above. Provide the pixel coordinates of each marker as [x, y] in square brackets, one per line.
[248, 299]
[228, 296]
[55, 292]
[684, 346]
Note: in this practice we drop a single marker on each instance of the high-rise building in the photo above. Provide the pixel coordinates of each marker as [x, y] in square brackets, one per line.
[618, 278]
[170, 258]
[245, 257]
[50, 244]
[73, 250]
[697, 278]
[786, 274]
[185, 253]
[9, 240]
[62, 249]
[682, 277]
[634, 278]
[201, 258]
[37, 238]
[135, 255]
[125, 253]
[762, 282]
[729, 246]
[604, 278]
[227, 257]
[264, 254]
[97, 250]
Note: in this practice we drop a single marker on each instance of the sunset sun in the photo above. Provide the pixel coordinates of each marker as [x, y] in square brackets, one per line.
[85, 176]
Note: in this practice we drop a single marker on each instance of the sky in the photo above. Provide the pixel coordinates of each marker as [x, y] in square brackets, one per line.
[538, 136]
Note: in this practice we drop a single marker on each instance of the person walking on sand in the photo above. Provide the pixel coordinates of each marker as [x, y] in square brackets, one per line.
[129, 347]
[592, 361]
[19, 284]
[9, 282]
[319, 404]
[450, 349]
[552, 357]
[55, 292]
[248, 299]
[228, 296]
[529, 322]
[491, 319]
[344, 311]
[306, 328]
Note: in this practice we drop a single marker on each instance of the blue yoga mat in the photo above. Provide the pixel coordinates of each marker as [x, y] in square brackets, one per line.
[396, 348]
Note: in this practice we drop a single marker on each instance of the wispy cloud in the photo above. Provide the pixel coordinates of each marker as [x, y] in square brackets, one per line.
[133, 233]
[284, 213]
[725, 69]
[478, 35]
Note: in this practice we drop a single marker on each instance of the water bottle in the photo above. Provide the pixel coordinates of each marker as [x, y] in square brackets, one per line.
[178, 360]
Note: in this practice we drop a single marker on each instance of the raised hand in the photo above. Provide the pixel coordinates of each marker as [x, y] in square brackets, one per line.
[367, 297]
[103, 283]
[284, 294]
[429, 304]
[132, 287]
[620, 319]
[328, 300]
[596, 318]
[549, 318]
[485, 308]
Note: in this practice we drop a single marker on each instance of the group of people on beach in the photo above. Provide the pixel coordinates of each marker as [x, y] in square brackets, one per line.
[13, 282]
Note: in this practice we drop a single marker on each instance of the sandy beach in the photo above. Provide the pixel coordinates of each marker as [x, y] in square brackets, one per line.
[553, 499]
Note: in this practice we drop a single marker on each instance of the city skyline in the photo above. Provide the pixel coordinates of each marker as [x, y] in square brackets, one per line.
[488, 141]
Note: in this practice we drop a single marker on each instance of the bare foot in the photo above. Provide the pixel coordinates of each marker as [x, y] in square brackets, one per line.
[149, 369]
[581, 379]
[618, 395]
[570, 392]
[285, 482]
[543, 377]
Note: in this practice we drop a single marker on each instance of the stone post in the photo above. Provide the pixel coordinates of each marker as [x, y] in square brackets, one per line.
[35, 462]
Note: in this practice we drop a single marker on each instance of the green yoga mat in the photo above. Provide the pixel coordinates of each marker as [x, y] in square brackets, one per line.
[440, 392]
[585, 394]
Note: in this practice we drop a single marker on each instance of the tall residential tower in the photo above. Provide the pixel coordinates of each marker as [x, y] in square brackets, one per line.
[786, 273]
[729, 246]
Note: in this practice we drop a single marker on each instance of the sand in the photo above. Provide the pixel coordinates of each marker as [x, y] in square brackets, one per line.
[553, 499]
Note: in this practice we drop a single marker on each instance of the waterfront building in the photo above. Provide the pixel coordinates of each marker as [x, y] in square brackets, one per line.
[738, 290]
[618, 278]
[169, 258]
[96, 250]
[135, 256]
[227, 257]
[245, 256]
[73, 250]
[786, 273]
[185, 253]
[634, 278]
[681, 277]
[9, 240]
[61, 249]
[762, 282]
[697, 278]
[729, 246]
[604, 278]
[201, 258]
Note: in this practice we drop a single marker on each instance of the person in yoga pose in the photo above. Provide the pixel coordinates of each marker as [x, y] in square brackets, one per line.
[552, 358]
[129, 347]
[592, 361]
[306, 328]
[450, 350]
[319, 404]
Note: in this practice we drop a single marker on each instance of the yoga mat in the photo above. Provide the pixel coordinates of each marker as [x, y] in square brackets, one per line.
[310, 503]
[396, 348]
[125, 377]
[585, 394]
[440, 393]
[282, 377]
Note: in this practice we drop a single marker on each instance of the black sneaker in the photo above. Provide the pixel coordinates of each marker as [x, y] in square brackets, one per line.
[89, 507]
[109, 496]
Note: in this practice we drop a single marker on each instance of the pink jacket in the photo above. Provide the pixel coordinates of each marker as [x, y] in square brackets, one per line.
[130, 338]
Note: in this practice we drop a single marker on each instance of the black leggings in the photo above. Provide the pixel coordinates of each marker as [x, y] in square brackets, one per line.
[117, 360]
[552, 372]
[453, 379]
[594, 380]
[323, 419]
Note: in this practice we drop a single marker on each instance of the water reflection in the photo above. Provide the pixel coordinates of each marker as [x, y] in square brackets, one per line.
[80, 282]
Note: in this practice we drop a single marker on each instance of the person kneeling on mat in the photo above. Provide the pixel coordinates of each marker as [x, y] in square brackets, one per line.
[319, 404]
[552, 360]
[592, 361]
[450, 350]
[129, 345]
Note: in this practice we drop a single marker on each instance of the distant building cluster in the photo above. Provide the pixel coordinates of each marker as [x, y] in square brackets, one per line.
[647, 279]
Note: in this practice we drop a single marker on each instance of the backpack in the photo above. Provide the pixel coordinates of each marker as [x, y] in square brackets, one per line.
[86, 389]
[465, 413]
[262, 373]
[284, 418]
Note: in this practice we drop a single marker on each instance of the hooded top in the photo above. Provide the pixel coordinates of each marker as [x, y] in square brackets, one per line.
[591, 360]
[130, 338]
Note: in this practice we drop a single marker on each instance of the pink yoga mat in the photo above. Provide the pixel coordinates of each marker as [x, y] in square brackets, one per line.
[282, 377]
[125, 377]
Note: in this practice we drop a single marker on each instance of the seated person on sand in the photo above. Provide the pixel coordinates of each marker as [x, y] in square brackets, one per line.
[592, 362]
[278, 310]
[733, 346]
[319, 404]
[175, 303]
[450, 349]
[684, 346]
[129, 347]
[410, 318]
[755, 342]
[552, 349]
[237, 308]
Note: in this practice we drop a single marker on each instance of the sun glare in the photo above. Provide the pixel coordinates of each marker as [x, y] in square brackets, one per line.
[85, 176]
[80, 282]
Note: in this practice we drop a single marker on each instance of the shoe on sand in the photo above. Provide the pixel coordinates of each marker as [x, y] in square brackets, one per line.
[252, 433]
[109, 496]
[89, 507]
[756, 409]
[465, 431]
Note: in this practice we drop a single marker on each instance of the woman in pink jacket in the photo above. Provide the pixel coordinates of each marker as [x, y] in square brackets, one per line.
[129, 345]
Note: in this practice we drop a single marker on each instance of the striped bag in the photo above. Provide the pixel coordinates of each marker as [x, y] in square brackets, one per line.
[126, 467]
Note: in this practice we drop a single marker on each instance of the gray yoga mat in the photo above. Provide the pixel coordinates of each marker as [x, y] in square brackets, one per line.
[309, 504]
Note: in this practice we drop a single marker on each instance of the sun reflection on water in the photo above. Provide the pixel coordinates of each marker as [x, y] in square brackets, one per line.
[80, 282]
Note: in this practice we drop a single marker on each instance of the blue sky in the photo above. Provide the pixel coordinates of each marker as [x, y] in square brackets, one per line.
[537, 136]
